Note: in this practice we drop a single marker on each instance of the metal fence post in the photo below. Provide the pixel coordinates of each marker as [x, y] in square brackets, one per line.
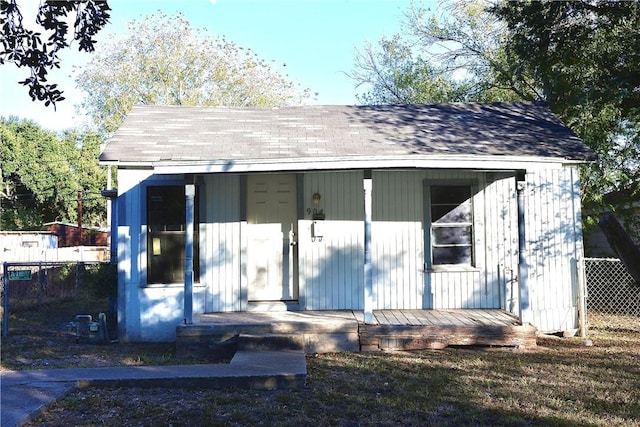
[39, 287]
[578, 271]
[5, 300]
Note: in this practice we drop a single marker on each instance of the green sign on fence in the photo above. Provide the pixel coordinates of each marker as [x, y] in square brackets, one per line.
[19, 274]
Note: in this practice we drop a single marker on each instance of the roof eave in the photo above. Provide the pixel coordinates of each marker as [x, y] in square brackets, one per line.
[353, 162]
[124, 164]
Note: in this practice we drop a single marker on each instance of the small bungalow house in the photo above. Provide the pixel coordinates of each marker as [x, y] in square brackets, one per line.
[428, 207]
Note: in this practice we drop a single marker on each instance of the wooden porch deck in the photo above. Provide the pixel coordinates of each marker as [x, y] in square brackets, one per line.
[419, 329]
[345, 330]
[463, 317]
[467, 317]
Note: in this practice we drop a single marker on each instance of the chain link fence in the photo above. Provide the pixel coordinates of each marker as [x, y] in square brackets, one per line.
[49, 290]
[35, 287]
[613, 297]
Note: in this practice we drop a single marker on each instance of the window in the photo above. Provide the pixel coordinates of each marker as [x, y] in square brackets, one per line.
[451, 225]
[166, 235]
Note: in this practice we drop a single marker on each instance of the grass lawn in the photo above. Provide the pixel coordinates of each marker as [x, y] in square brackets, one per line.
[562, 382]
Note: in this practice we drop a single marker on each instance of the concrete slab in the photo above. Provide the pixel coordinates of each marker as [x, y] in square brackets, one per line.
[22, 400]
[25, 393]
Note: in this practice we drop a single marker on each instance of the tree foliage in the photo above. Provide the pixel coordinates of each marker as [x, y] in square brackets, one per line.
[25, 48]
[42, 173]
[394, 75]
[446, 56]
[582, 58]
[466, 41]
[164, 61]
[585, 59]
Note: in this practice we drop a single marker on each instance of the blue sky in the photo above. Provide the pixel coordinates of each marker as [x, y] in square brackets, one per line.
[316, 39]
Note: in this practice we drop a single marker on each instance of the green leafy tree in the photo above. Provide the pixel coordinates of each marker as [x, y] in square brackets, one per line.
[466, 42]
[585, 59]
[25, 47]
[164, 61]
[453, 54]
[43, 172]
[392, 74]
[582, 58]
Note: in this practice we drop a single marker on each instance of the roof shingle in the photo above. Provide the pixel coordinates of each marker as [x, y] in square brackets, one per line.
[171, 133]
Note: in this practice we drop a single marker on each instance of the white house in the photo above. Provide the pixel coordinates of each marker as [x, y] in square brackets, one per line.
[345, 207]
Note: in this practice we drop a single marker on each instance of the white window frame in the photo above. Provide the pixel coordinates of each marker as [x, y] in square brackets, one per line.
[429, 225]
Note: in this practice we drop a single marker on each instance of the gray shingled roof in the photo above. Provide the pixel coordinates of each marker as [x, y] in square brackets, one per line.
[178, 134]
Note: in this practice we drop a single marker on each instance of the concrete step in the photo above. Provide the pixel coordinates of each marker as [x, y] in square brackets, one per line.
[270, 342]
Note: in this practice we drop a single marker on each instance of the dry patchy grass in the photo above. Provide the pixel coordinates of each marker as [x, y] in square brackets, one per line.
[562, 383]
[45, 339]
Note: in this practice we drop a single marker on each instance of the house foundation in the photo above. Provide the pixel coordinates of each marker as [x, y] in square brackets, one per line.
[217, 336]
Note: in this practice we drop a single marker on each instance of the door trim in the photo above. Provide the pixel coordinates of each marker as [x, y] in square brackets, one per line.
[288, 221]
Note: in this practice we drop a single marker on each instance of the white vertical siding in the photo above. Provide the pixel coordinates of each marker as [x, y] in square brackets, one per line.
[457, 289]
[221, 241]
[397, 240]
[398, 232]
[554, 238]
[501, 234]
[331, 269]
[488, 284]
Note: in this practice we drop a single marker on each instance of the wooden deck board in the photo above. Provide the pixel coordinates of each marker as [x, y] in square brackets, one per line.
[443, 318]
[412, 319]
[455, 319]
[402, 317]
[424, 318]
[507, 319]
[483, 317]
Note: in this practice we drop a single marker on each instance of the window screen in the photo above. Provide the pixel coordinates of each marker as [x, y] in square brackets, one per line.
[451, 225]
[166, 235]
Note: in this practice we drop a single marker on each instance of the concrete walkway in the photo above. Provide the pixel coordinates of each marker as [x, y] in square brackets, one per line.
[25, 393]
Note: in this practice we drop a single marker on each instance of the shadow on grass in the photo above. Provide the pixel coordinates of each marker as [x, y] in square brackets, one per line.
[567, 387]
[561, 383]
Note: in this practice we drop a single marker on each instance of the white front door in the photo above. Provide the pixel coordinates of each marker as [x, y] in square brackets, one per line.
[272, 262]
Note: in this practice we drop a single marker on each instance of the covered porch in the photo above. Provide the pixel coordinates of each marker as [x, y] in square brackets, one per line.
[214, 334]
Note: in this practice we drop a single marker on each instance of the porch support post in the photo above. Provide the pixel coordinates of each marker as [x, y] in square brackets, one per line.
[523, 266]
[190, 193]
[368, 276]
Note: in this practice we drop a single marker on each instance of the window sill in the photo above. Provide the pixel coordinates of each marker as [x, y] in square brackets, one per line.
[169, 285]
[453, 268]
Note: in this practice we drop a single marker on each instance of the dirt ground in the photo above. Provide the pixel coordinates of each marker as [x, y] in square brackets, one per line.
[562, 382]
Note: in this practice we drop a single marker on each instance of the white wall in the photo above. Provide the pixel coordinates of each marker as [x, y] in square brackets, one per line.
[331, 268]
[19, 246]
[399, 234]
[221, 244]
[554, 238]
[145, 312]
[331, 272]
